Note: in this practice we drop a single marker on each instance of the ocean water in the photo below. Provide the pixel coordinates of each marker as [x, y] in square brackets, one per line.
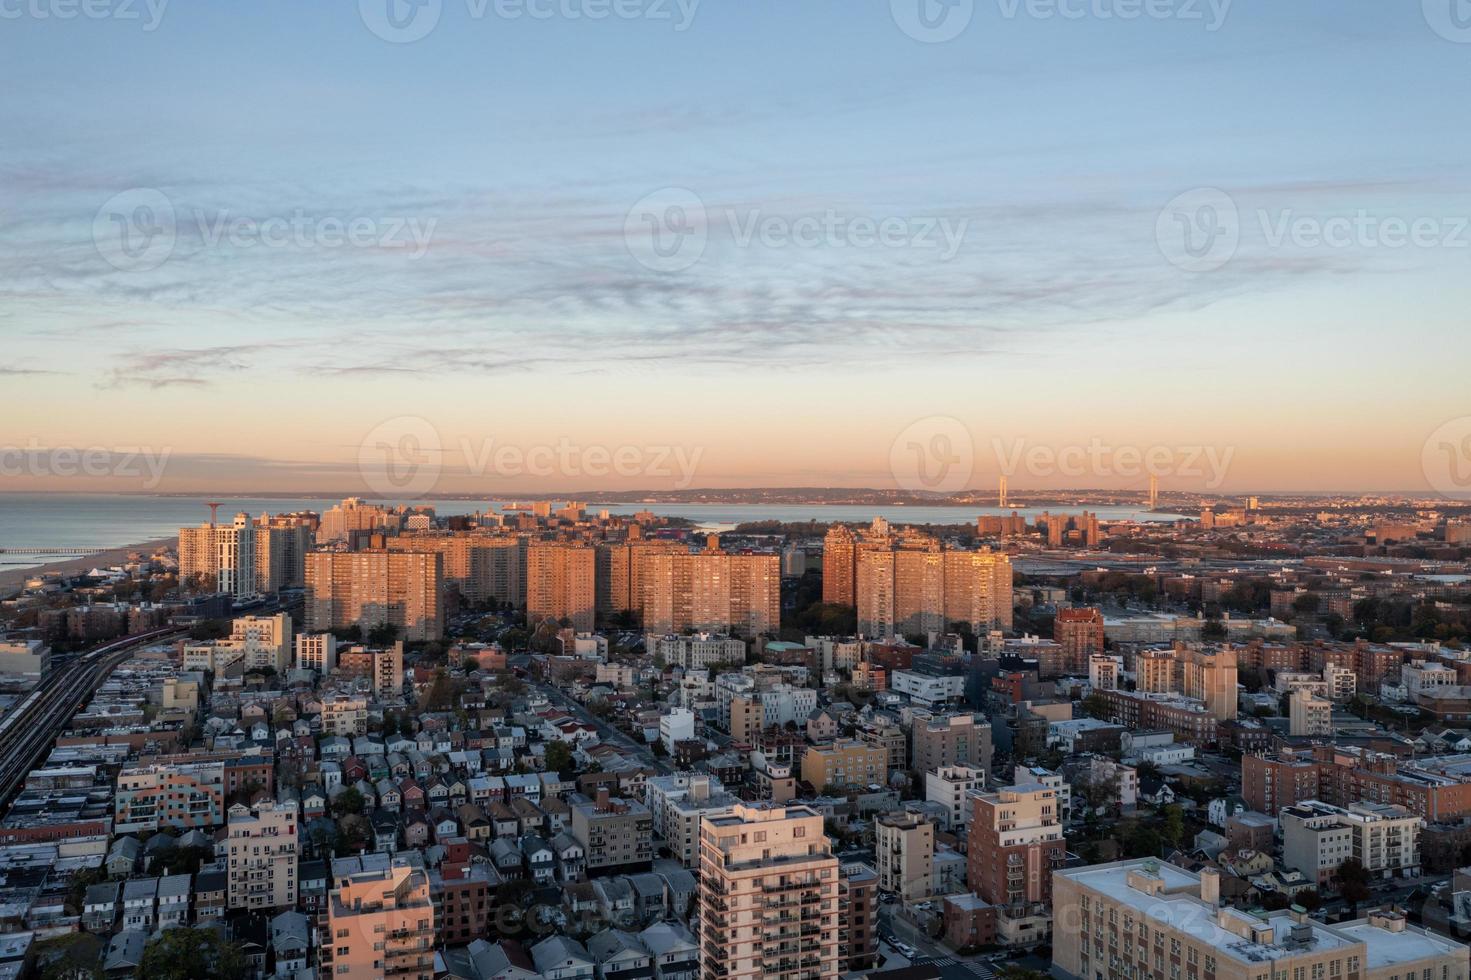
[104, 521]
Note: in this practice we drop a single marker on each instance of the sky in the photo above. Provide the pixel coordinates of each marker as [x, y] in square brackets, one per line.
[537, 245]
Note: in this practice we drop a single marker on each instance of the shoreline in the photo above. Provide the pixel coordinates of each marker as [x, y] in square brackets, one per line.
[12, 580]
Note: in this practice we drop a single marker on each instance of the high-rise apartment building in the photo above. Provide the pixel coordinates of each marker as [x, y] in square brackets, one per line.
[379, 923]
[383, 667]
[769, 896]
[951, 786]
[1308, 714]
[1080, 634]
[1016, 844]
[978, 589]
[1154, 671]
[1318, 837]
[858, 903]
[842, 764]
[354, 514]
[905, 850]
[372, 588]
[266, 641]
[482, 565]
[220, 558]
[950, 740]
[839, 573]
[560, 584]
[281, 545]
[261, 853]
[714, 591]
[1210, 676]
[910, 583]
[316, 651]
[874, 598]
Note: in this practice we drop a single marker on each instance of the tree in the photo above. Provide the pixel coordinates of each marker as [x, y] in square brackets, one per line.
[81, 881]
[1353, 882]
[1095, 705]
[74, 956]
[210, 629]
[1172, 825]
[348, 801]
[559, 757]
[1306, 603]
[192, 954]
[382, 635]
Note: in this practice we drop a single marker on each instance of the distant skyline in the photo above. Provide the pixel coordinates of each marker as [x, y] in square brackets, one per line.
[291, 250]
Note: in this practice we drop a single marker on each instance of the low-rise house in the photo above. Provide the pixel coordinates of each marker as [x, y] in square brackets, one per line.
[290, 941]
[125, 953]
[122, 857]
[211, 893]
[673, 952]
[173, 901]
[540, 859]
[562, 958]
[617, 899]
[140, 904]
[620, 956]
[648, 896]
[571, 859]
[100, 905]
[481, 960]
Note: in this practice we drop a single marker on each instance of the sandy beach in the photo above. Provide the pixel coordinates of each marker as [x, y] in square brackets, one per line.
[13, 579]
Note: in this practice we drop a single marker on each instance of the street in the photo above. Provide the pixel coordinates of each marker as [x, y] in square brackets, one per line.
[606, 732]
